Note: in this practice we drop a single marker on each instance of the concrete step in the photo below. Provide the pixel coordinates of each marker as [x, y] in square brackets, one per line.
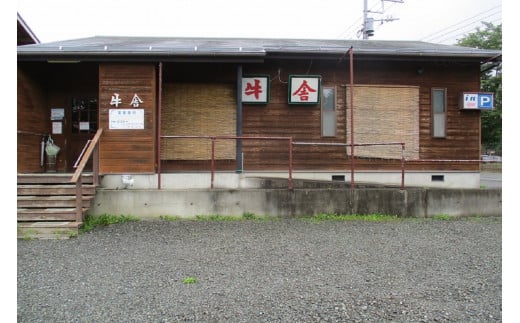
[52, 201]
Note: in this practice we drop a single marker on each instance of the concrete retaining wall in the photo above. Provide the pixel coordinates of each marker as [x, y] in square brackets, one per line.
[413, 202]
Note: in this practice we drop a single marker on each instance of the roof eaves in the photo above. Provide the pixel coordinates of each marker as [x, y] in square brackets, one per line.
[27, 29]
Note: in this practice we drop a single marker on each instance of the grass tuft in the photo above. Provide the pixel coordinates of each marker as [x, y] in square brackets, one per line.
[189, 280]
[442, 217]
[169, 218]
[103, 220]
[353, 217]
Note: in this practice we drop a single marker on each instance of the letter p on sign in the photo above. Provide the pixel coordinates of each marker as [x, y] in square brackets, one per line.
[485, 101]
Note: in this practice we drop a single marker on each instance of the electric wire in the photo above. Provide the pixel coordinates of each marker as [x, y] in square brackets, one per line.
[465, 32]
[461, 28]
[441, 34]
[355, 24]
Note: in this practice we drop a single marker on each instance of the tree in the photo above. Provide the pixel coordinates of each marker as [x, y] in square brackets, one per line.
[490, 37]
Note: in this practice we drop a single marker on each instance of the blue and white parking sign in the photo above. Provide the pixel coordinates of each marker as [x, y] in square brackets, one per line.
[485, 100]
[477, 100]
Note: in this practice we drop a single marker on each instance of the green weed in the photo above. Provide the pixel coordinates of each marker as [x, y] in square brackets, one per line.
[442, 217]
[103, 220]
[249, 216]
[169, 218]
[352, 217]
[217, 217]
[189, 280]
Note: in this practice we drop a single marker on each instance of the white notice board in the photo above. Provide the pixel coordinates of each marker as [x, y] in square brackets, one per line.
[126, 119]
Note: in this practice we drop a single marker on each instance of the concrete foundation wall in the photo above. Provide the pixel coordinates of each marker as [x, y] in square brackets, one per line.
[413, 202]
[231, 180]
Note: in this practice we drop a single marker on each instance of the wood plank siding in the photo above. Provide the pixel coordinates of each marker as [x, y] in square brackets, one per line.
[42, 87]
[124, 150]
[303, 122]
[33, 121]
[204, 86]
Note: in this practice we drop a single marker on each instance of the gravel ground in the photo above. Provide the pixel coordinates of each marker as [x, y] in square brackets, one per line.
[283, 270]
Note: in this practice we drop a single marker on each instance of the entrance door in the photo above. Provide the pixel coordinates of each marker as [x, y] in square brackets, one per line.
[84, 124]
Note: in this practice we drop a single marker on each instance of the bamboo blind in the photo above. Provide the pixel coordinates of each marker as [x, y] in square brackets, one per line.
[198, 110]
[384, 114]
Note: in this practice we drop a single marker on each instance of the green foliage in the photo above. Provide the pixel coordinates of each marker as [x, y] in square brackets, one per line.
[217, 217]
[248, 216]
[443, 217]
[189, 280]
[353, 217]
[103, 220]
[169, 218]
[490, 37]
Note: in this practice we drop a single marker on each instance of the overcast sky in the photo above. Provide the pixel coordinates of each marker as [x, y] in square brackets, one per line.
[438, 21]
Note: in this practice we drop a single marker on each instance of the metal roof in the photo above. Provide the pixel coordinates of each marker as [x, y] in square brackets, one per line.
[162, 47]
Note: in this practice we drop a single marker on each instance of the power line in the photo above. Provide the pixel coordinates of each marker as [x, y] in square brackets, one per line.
[464, 33]
[435, 35]
[461, 31]
[368, 22]
[356, 24]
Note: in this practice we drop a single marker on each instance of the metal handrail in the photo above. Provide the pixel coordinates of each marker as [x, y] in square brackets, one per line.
[352, 183]
[214, 138]
[292, 143]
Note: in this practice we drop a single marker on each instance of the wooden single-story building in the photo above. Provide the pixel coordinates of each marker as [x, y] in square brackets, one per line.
[172, 109]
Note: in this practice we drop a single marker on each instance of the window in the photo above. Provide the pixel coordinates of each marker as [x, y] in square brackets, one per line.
[84, 115]
[439, 113]
[328, 112]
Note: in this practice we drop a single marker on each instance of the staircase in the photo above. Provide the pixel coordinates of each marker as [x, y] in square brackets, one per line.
[47, 205]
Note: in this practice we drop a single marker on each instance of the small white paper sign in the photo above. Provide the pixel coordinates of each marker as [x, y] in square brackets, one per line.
[57, 113]
[57, 128]
[85, 125]
[126, 119]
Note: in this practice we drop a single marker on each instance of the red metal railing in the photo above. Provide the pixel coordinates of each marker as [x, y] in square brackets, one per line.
[291, 145]
[352, 182]
[215, 138]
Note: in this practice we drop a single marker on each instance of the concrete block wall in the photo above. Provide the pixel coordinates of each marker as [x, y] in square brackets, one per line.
[412, 202]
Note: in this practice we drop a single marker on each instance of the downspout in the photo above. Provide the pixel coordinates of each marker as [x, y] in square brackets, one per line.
[159, 105]
[351, 118]
[239, 120]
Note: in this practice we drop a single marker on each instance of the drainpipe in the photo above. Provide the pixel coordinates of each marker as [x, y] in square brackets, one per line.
[159, 105]
[351, 118]
[239, 120]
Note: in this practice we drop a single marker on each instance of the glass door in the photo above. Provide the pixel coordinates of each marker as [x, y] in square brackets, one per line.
[84, 124]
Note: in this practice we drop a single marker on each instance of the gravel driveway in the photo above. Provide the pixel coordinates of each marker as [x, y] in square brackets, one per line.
[282, 270]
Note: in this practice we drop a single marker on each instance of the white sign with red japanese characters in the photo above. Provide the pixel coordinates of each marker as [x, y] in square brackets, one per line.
[304, 89]
[255, 89]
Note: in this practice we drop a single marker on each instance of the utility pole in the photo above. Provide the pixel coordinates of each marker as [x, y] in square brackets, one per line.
[368, 22]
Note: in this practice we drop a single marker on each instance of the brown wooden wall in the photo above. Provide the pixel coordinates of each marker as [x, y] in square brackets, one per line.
[127, 151]
[303, 123]
[32, 122]
[463, 127]
[41, 87]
